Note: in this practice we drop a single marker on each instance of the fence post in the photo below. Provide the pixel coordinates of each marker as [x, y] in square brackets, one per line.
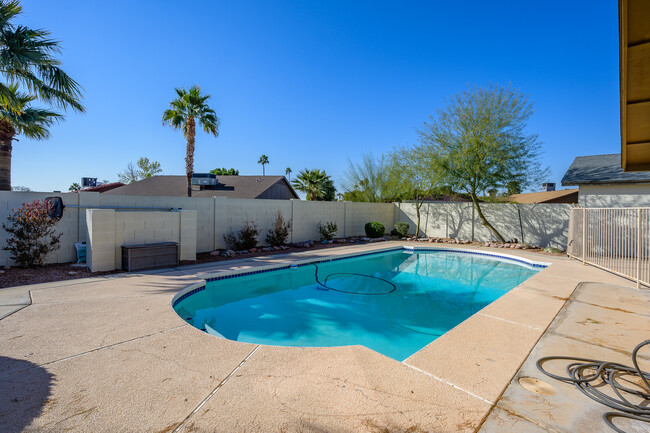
[584, 236]
[638, 250]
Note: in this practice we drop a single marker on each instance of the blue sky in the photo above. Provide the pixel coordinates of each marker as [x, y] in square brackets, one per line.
[312, 84]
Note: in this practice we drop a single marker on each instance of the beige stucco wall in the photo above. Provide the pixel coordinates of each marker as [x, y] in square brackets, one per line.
[619, 195]
[68, 225]
[108, 230]
[540, 224]
[215, 216]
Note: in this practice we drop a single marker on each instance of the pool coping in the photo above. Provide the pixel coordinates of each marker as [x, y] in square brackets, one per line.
[200, 286]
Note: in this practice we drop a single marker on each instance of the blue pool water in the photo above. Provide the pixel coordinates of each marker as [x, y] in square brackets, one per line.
[394, 302]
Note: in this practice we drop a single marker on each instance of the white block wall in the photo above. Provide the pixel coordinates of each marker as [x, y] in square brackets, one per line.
[540, 224]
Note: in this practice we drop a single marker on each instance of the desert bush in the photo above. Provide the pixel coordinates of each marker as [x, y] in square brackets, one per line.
[244, 239]
[401, 229]
[32, 234]
[278, 234]
[327, 231]
[374, 229]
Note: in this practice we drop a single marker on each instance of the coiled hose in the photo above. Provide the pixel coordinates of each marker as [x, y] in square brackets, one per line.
[357, 275]
[579, 374]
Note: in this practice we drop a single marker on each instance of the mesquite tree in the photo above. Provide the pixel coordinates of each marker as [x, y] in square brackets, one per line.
[479, 142]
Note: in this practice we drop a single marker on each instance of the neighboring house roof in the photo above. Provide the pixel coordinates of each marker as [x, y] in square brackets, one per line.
[228, 186]
[561, 196]
[103, 187]
[601, 169]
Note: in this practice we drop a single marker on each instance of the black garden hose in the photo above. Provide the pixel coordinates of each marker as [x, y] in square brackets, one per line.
[579, 374]
[357, 275]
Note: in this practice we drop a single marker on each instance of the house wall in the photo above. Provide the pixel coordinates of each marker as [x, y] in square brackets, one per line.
[279, 191]
[540, 224]
[617, 195]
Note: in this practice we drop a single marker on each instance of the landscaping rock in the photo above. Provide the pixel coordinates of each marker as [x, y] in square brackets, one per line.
[72, 273]
[364, 239]
[215, 253]
[306, 245]
[243, 252]
[276, 248]
[253, 250]
[324, 242]
[340, 241]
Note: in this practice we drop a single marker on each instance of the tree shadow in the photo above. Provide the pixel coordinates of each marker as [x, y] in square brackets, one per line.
[23, 393]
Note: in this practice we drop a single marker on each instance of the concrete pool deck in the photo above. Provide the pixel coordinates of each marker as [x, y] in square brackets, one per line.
[110, 354]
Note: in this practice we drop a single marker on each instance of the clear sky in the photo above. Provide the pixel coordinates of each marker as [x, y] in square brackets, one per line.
[311, 84]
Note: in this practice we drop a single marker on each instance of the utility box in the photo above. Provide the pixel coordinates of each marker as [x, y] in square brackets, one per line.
[149, 256]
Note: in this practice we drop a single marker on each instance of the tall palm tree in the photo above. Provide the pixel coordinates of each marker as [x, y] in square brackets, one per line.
[30, 72]
[263, 160]
[287, 172]
[183, 113]
[316, 184]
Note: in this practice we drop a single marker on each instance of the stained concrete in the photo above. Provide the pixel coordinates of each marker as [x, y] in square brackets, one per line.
[592, 326]
[110, 354]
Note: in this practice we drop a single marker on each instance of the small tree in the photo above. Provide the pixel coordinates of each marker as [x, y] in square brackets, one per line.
[142, 169]
[411, 176]
[225, 172]
[367, 180]
[32, 234]
[279, 232]
[74, 187]
[479, 141]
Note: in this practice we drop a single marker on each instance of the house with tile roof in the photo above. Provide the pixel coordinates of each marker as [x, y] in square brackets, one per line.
[255, 187]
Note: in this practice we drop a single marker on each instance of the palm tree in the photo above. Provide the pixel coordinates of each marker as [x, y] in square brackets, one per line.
[183, 112]
[316, 184]
[31, 72]
[287, 172]
[263, 160]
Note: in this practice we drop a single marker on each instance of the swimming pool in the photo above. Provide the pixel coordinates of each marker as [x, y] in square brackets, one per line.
[394, 302]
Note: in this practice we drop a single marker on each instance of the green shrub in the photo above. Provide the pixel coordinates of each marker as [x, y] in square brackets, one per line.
[401, 229]
[32, 235]
[374, 229]
[278, 234]
[244, 239]
[327, 231]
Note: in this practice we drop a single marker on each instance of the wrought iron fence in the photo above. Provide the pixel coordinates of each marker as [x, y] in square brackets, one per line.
[615, 239]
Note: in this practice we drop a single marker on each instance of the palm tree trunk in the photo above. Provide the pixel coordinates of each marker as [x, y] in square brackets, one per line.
[189, 157]
[263, 170]
[7, 133]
